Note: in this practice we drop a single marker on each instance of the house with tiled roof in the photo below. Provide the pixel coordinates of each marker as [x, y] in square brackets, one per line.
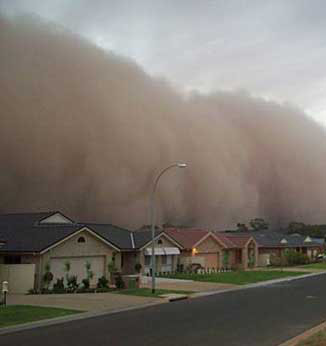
[33, 241]
[214, 250]
[276, 244]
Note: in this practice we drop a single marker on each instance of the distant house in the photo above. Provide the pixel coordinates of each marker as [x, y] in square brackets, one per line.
[273, 243]
[214, 250]
[34, 240]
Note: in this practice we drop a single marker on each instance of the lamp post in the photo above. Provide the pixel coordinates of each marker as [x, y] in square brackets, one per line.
[152, 216]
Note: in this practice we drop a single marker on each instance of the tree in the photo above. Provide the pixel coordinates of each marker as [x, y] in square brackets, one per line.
[296, 227]
[242, 227]
[258, 224]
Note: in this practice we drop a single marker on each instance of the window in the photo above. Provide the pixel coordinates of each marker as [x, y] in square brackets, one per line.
[81, 240]
[13, 259]
[164, 259]
[147, 260]
[160, 241]
[238, 255]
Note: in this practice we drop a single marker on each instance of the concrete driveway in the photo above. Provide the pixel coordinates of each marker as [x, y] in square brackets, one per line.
[185, 285]
[94, 302]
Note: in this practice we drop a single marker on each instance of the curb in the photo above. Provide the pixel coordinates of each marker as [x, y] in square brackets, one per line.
[304, 335]
[257, 284]
[71, 318]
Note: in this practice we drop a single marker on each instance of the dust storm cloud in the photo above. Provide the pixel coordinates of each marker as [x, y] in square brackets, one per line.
[85, 131]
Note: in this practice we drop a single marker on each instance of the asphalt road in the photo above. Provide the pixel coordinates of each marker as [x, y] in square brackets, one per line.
[261, 316]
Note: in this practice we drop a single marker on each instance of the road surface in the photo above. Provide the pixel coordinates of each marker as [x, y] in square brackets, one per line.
[261, 316]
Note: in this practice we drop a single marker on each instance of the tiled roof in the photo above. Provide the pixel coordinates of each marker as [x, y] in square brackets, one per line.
[142, 237]
[187, 237]
[273, 239]
[238, 240]
[24, 218]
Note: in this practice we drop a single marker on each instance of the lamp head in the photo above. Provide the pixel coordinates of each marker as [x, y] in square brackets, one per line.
[182, 165]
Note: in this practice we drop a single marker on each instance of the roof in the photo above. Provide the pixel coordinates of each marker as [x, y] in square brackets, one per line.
[273, 239]
[142, 237]
[24, 218]
[118, 236]
[187, 237]
[238, 241]
[24, 232]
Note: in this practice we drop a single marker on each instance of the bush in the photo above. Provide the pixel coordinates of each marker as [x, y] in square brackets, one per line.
[72, 283]
[86, 283]
[296, 258]
[119, 282]
[102, 282]
[138, 267]
[59, 285]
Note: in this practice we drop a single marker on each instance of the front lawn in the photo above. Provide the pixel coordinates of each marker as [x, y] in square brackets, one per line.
[318, 339]
[147, 292]
[319, 265]
[235, 278]
[17, 314]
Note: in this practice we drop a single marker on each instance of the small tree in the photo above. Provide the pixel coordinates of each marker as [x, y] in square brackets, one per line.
[138, 267]
[258, 224]
[226, 259]
[89, 275]
[242, 227]
[48, 276]
[67, 267]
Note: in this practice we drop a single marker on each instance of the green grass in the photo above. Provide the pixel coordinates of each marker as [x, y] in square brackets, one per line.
[319, 265]
[319, 339]
[147, 292]
[236, 278]
[17, 314]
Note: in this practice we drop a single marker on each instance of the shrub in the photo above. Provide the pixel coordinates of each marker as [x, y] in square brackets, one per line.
[86, 283]
[72, 283]
[119, 281]
[59, 285]
[138, 267]
[102, 282]
[296, 258]
[48, 276]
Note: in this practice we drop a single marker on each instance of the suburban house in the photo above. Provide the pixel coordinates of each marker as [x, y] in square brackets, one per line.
[275, 244]
[214, 250]
[32, 241]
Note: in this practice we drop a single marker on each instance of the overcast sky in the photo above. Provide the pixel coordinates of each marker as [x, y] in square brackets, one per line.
[274, 49]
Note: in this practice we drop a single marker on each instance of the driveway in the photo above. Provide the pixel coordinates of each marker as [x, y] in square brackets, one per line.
[94, 302]
[185, 285]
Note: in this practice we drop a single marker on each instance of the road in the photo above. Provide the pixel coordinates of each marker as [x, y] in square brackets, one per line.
[261, 316]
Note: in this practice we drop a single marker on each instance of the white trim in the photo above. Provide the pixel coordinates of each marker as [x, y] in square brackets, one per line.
[159, 236]
[132, 240]
[76, 233]
[64, 220]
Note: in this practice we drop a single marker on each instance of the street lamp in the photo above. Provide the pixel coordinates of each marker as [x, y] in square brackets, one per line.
[152, 216]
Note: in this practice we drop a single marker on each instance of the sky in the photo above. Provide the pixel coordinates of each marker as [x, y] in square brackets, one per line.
[271, 49]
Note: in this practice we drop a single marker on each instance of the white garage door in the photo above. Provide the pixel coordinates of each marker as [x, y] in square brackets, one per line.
[77, 267]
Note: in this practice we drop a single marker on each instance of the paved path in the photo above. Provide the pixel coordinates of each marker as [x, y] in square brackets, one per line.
[84, 301]
[260, 316]
[186, 285]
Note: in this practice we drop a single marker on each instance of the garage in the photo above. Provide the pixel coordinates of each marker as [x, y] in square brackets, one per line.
[211, 259]
[78, 267]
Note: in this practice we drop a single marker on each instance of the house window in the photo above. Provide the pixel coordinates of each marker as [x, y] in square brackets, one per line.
[81, 240]
[12, 259]
[160, 241]
[164, 260]
[147, 260]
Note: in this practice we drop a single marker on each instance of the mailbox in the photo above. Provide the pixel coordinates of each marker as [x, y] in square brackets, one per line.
[5, 287]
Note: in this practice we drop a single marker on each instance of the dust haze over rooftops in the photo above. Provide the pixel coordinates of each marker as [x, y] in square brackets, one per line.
[84, 131]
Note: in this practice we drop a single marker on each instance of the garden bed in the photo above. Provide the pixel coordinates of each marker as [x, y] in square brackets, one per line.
[235, 278]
